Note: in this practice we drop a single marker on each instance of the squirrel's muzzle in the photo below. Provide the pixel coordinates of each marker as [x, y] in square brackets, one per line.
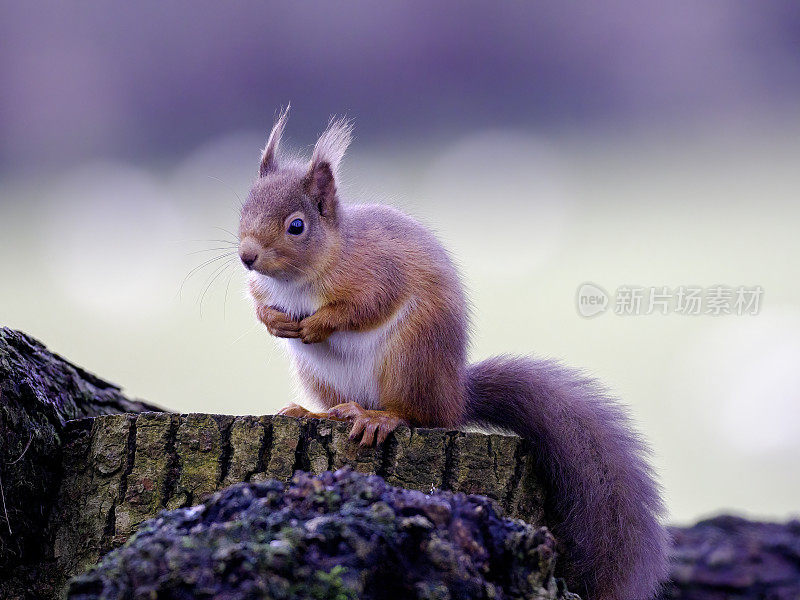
[248, 252]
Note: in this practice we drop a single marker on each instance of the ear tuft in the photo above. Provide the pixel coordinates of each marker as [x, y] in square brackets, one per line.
[332, 144]
[269, 154]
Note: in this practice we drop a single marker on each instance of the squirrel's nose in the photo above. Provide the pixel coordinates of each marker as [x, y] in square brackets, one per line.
[249, 249]
[248, 259]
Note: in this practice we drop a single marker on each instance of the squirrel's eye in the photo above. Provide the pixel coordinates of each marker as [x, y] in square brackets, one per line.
[296, 227]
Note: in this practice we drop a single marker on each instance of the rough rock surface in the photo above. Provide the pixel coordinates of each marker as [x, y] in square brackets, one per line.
[39, 393]
[736, 559]
[336, 536]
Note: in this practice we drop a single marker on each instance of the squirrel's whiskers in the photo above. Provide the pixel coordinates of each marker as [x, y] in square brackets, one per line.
[210, 279]
[229, 251]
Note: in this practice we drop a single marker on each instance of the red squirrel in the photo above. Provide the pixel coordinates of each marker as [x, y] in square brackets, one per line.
[375, 318]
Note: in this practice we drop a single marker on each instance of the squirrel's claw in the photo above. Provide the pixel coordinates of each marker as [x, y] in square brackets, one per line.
[369, 425]
[368, 437]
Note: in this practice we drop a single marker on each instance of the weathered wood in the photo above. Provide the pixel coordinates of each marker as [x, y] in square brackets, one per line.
[122, 469]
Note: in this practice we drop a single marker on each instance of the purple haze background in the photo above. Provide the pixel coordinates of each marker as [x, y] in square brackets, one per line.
[149, 79]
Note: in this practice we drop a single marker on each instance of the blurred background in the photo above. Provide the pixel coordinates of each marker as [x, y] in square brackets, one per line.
[549, 145]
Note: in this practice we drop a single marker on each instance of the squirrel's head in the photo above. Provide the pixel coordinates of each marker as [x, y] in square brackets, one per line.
[289, 226]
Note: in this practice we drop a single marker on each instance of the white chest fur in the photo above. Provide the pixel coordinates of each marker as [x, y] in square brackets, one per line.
[299, 300]
[348, 361]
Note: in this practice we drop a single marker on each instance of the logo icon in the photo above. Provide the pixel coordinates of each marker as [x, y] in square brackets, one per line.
[592, 300]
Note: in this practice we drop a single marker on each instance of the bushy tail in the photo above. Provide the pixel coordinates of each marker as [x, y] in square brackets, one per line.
[604, 503]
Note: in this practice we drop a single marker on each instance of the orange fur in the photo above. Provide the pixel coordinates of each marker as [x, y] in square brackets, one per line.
[364, 270]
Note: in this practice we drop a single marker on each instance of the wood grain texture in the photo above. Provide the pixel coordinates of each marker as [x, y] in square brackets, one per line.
[122, 469]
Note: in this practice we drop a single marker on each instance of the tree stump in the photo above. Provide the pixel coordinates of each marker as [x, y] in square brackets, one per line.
[120, 470]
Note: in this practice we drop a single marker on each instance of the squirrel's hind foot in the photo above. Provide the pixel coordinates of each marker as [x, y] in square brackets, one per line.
[369, 425]
[295, 410]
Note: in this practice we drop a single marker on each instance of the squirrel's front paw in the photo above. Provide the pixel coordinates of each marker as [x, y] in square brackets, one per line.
[313, 330]
[278, 323]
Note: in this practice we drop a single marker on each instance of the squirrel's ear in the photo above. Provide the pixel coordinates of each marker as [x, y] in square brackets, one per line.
[268, 162]
[321, 188]
[325, 161]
